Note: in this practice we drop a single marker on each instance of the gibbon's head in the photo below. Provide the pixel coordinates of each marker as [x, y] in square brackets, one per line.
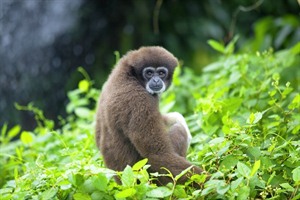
[153, 67]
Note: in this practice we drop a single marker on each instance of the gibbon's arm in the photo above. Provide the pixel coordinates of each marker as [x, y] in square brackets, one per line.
[174, 118]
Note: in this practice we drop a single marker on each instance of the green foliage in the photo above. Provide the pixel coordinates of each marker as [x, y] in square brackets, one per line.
[243, 112]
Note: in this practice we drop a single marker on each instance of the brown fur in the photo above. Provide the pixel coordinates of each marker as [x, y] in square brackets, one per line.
[129, 126]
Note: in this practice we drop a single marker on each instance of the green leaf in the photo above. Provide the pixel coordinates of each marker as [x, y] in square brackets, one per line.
[81, 196]
[180, 192]
[84, 85]
[125, 193]
[243, 169]
[295, 103]
[236, 183]
[14, 131]
[254, 118]
[287, 186]
[229, 162]
[82, 112]
[296, 174]
[139, 165]
[49, 194]
[3, 130]
[243, 193]
[26, 137]
[255, 167]
[230, 47]
[100, 182]
[216, 46]
[183, 173]
[65, 184]
[222, 187]
[76, 179]
[128, 177]
[159, 192]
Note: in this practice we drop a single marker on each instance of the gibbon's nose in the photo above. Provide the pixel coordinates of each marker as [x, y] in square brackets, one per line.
[156, 79]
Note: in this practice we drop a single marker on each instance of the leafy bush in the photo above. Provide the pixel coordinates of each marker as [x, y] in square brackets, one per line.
[243, 112]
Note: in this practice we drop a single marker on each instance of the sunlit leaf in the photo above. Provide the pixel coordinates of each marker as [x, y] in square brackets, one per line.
[159, 192]
[26, 137]
[137, 166]
[243, 169]
[254, 118]
[84, 85]
[296, 174]
[126, 193]
[216, 46]
[255, 167]
[14, 131]
[82, 112]
[81, 196]
[128, 177]
[100, 182]
[49, 194]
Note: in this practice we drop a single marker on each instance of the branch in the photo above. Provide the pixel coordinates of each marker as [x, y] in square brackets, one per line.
[156, 16]
[237, 11]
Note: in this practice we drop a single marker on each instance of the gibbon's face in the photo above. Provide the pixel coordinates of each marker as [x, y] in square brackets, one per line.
[155, 79]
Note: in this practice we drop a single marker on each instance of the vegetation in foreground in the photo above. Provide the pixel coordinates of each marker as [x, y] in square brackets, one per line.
[243, 112]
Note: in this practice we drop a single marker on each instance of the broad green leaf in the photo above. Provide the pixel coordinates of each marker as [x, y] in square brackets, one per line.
[254, 118]
[295, 103]
[101, 195]
[287, 186]
[179, 191]
[125, 193]
[65, 184]
[222, 187]
[76, 179]
[243, 193]
[26, 137]
[100, 182]
[216, 46]
[236, 183]
[49, 194]
[14, 131]
[276, 77]
[127, 177]
[216, 141]
[139, 165]
[296, 174]
[229, 162]
[254, 152]
[81, 196]
[159, 192]
[255, 167]
[243, 169]
[82, 112]
[84, 85]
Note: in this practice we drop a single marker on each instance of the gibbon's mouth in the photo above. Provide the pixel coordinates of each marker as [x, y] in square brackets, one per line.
[156, 89]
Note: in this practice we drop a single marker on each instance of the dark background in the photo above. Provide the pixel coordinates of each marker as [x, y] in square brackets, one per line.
[42, 43]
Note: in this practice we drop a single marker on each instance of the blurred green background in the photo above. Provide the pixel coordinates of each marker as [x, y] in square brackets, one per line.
[42, 43]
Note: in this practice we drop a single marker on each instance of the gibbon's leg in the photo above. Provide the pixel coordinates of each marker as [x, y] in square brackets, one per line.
[179, 132]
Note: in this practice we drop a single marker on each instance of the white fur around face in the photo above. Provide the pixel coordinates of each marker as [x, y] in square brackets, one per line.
[177, 117]
[155, 92]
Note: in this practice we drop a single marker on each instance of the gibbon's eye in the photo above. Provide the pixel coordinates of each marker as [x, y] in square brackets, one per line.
[162, 74]
[148, 72]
